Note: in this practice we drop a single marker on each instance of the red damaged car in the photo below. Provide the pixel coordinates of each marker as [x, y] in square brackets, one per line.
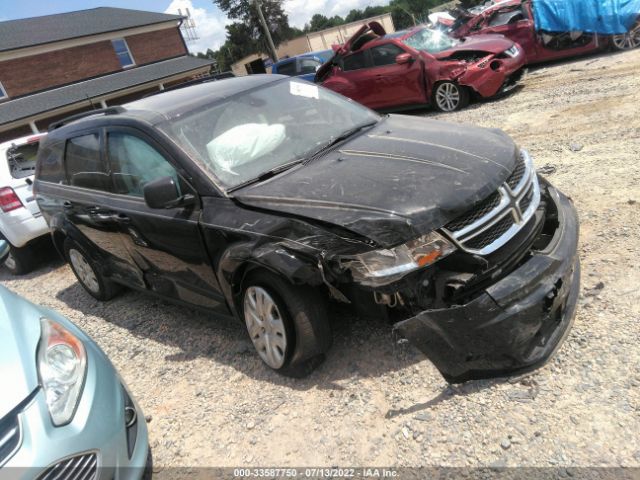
[515, 20]
[420, 67]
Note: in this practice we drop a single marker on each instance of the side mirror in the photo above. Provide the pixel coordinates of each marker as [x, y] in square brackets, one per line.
[164, 193]
[404, 58]
[4, 250]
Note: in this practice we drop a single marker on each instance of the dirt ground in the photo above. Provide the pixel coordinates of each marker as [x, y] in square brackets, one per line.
[210, 401]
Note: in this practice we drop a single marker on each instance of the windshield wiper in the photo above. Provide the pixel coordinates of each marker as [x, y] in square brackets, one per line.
[335, 140]
[267, 175]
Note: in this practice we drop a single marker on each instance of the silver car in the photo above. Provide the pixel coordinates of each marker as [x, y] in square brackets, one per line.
[64, 410]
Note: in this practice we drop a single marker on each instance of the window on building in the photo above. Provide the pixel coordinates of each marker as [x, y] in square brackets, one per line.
[123, 52]
[83, 163]
[3, 93]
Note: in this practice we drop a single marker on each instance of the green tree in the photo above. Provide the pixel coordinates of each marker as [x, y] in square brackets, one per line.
[320, 22]
[246, 14]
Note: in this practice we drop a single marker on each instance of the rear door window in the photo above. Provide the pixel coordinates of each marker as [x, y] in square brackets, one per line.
[50, 166]
[84, 165]
[22, 159]
[288, 68]
[308, 65]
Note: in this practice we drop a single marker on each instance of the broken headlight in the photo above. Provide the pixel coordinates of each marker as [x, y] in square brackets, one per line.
[380, 267]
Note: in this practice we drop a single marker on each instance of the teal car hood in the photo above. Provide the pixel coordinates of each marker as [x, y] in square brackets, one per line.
[19, 336]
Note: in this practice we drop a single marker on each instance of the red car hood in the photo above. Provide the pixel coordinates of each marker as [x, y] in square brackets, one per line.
[478, 43]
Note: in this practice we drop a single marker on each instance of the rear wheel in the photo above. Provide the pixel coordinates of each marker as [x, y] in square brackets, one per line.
[20, 260]
[88, 273]
[287, 324]
[449, 97]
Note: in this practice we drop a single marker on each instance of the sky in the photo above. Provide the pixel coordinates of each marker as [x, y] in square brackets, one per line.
[210, 21]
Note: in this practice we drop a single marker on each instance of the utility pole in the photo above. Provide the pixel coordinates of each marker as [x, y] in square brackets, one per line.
[272, 47]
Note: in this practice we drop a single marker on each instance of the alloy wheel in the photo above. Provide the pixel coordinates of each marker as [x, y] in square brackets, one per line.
[448, 96]
[84, 271]
[265, 326]
[629, 40]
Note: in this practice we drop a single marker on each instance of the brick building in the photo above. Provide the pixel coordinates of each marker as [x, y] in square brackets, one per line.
[57, 65]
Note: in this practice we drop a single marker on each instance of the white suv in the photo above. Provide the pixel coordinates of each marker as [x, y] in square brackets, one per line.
[21, 222]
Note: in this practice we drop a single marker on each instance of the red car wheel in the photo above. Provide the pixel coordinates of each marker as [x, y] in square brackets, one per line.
[629, 40]
[449, 97]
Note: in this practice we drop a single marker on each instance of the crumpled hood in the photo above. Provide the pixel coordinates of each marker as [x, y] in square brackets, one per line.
[398, 180]
[19, 336]
[479, 43]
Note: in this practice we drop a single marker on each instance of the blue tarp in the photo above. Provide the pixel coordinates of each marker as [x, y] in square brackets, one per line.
[607, 17]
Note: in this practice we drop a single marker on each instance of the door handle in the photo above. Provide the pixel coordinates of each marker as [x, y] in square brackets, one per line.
[67, 204]
[108, 217]
[122, 218]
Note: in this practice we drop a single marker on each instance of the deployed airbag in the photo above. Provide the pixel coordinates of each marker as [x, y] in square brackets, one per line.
[607, 17]
[243, 144]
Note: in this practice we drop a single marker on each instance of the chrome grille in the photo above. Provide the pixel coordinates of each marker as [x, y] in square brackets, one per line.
[494, 221]
[80, 467]
[476, 213]
[491, 234]
[526, 201]
[9, 437]
[518, 174]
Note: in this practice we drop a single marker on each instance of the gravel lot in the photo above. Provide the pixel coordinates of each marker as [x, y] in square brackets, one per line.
[211, 402]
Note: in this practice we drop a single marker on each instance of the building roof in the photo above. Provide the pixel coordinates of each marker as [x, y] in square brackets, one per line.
[30, 105]
[28, 32]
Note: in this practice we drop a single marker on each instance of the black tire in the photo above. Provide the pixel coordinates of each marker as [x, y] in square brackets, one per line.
[442, 88]
[148, 468]
[304, 314]
[20, 260]
[106, 289]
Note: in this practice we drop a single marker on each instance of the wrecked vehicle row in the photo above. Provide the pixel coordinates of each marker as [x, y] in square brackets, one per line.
[449, 234]
[420, 67]
[549, 31]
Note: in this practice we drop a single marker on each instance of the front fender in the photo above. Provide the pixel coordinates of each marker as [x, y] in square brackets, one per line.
[240, 259]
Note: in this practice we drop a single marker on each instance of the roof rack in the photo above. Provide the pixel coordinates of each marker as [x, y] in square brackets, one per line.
[104, 111]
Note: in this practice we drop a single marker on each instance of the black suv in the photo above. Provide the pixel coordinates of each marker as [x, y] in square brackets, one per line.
[269, 197]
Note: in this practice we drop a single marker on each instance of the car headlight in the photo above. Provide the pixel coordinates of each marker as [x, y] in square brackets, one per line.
[62, 365]
[380, 267]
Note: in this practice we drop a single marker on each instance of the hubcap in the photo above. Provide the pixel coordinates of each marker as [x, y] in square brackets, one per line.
[265, 326]
[448, 97]
[10, 262]
[84, 271]
[628, 40]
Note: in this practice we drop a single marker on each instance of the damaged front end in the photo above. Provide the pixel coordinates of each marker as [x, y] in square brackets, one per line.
[485, 72]
[491, 293]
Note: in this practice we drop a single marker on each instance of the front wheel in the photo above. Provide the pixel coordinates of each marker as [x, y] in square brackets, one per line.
[288, 324]
[449, 97]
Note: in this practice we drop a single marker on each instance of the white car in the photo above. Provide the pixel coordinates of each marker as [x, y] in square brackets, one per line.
[21, 222]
